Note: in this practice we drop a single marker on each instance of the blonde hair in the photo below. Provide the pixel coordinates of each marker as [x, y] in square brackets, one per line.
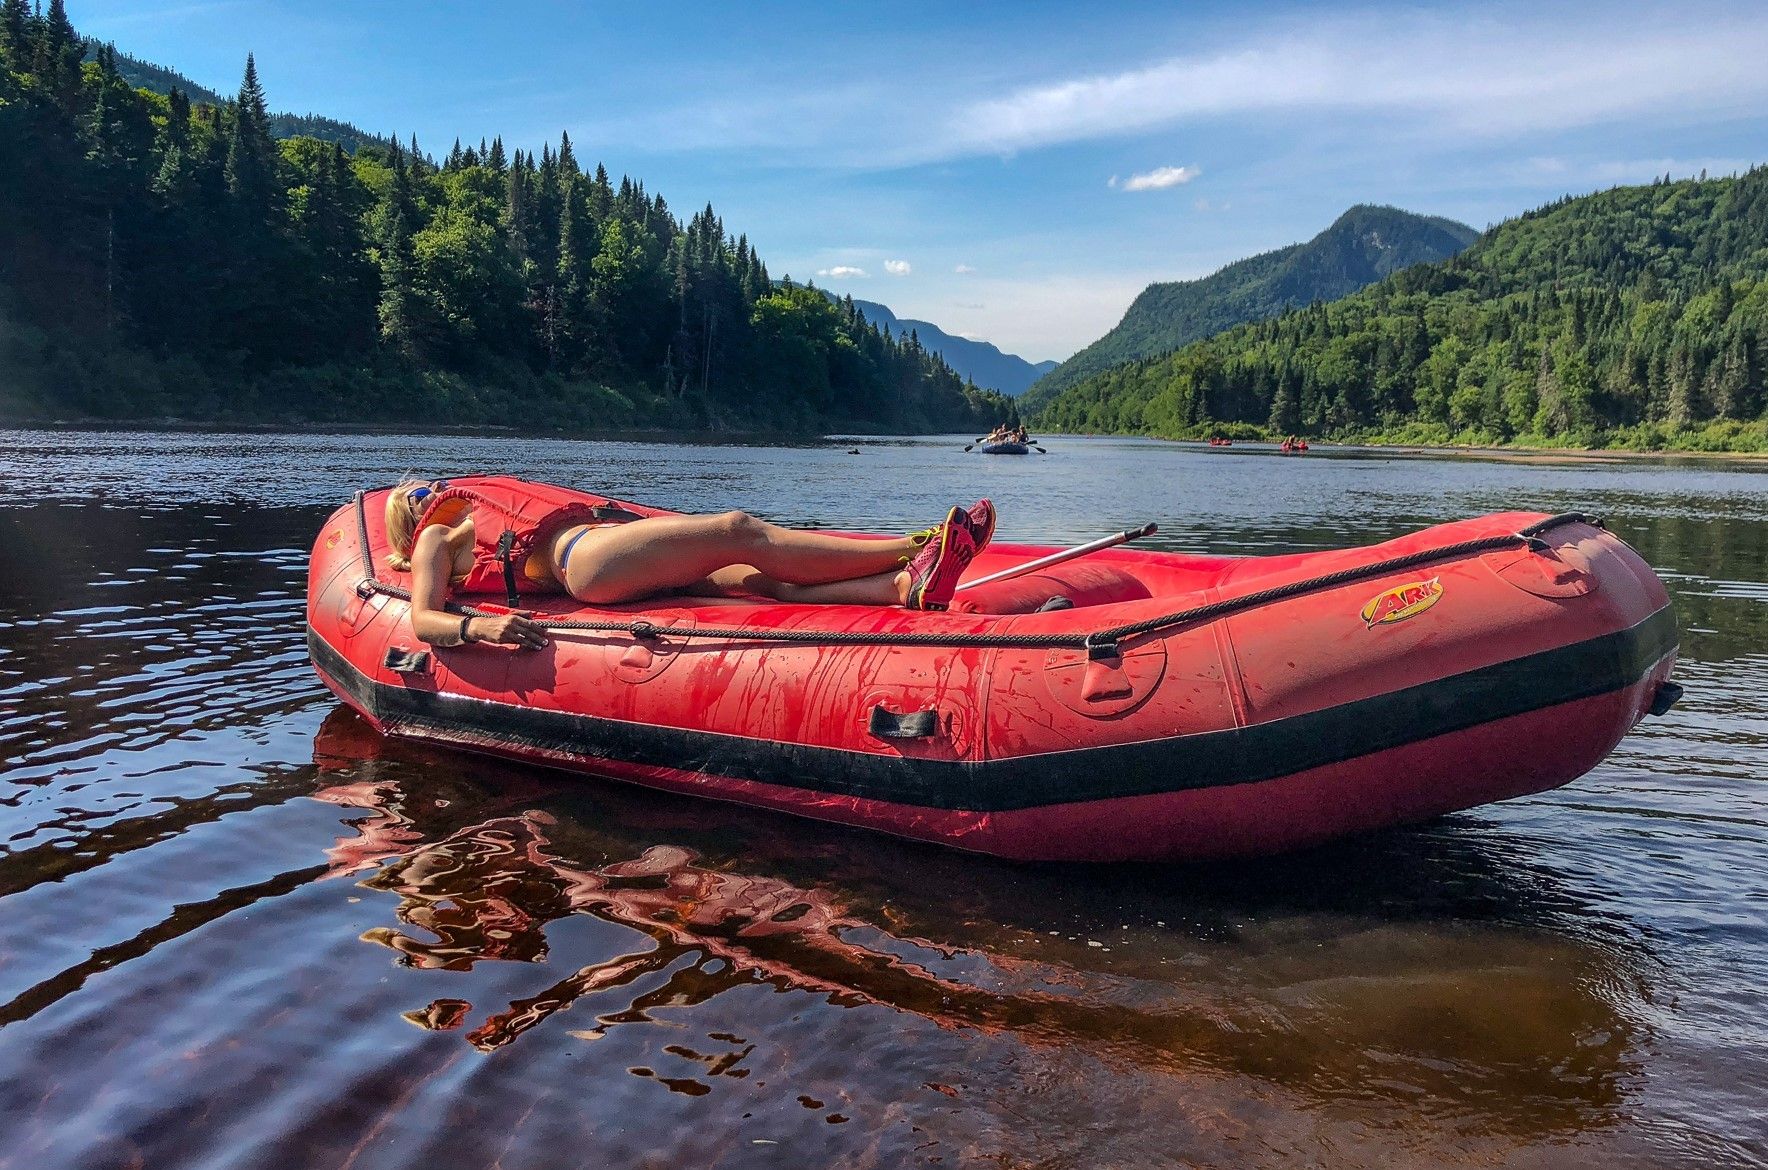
[401, 524]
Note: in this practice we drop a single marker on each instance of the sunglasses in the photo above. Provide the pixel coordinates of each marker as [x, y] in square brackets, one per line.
[423, 493]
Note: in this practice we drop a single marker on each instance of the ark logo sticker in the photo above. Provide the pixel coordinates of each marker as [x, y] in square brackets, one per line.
[1402, 602]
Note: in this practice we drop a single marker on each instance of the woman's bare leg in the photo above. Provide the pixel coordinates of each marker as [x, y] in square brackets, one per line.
[747, 580]
[659, 553]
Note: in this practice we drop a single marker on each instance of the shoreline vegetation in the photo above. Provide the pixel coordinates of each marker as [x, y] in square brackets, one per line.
[1726, 437]
[168, 256]
[1635, 317]
[1394, 445]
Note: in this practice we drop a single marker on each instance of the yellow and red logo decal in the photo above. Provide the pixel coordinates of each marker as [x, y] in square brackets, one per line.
[332, 538]
[1402, 601]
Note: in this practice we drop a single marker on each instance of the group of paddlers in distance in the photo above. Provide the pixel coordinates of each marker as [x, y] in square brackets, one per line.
[1006, 440]
[1292, 445]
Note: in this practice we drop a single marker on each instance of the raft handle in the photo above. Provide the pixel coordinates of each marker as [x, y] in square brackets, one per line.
[1100, 646]
[400, 660]
[1665, 698]
[887, 724]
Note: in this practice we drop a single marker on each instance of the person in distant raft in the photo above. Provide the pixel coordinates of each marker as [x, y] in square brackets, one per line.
[556, 546]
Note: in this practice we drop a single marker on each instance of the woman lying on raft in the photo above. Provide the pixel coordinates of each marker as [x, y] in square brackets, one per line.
[727, 555]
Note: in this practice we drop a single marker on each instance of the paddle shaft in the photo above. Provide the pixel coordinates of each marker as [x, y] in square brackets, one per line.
[1067, 554]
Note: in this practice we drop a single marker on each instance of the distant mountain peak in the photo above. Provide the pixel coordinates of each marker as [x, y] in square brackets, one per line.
[1364, 244]
[980, 361]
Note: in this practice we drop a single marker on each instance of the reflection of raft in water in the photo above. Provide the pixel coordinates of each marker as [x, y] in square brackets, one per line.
[1178, 706]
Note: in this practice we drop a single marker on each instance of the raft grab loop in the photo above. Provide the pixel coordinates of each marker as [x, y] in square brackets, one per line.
[402, 660]
[887, 724]
[506, 545]
[1098, 645]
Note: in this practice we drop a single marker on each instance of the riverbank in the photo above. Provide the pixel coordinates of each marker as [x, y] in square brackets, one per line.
[1727, 438]
[700, 436]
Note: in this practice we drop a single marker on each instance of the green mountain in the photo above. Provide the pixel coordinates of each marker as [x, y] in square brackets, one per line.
[1636, 316]
[161, 257]
[158, 79]
[978, 361]
[1365, 244]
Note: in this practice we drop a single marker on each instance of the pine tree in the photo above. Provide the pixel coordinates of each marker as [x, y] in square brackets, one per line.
[399, 308]
[252, 158]
[517, 217]
[59, 52]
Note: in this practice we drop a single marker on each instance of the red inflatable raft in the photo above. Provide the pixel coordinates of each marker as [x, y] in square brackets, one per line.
[1170, 706]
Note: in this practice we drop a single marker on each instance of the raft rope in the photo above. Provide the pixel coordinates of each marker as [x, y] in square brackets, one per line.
[1098, 644]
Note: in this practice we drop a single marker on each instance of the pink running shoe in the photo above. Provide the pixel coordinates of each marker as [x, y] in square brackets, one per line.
[980, 519]
[934, 573]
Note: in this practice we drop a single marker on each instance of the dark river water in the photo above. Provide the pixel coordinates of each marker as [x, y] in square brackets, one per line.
[237, 929]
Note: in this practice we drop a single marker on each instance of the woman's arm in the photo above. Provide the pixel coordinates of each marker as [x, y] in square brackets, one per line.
[432, 562]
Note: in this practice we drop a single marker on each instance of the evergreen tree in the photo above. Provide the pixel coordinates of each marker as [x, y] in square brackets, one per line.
[252, 178]
[59, 52]
[399, 311]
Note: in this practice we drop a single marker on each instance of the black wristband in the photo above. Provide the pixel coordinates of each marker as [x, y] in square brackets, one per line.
[465, 638]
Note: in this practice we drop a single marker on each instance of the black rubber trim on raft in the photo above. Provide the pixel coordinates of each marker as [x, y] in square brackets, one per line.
[1213, 759]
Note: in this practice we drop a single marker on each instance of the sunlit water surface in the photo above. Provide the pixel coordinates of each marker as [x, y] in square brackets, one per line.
[238, 929]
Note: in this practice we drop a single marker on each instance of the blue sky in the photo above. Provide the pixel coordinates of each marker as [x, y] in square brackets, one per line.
[1018, 172]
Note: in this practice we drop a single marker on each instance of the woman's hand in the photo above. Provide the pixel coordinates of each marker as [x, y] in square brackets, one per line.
[508, 629]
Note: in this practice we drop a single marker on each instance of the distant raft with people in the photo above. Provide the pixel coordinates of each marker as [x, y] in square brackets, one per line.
[1126, 704]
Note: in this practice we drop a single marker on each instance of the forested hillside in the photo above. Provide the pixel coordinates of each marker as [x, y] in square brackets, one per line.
[1362, 246]
[1633, 317]
[165, 258]
[146, 75]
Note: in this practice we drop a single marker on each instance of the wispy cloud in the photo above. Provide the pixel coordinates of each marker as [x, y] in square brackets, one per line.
[843, 272]
[1157, 179]
[1478, 77]
[897, 267]
[1435, 74]
[963, 270]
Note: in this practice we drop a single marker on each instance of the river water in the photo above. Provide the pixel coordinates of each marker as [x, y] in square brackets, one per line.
[238, 929]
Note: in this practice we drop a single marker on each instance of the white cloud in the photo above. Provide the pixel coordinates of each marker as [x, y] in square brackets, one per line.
[897, 267]
[1158, 179]
[1202, 204]
[963, 270]
[1474, 76]
[1400, 69]
[843, 272]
